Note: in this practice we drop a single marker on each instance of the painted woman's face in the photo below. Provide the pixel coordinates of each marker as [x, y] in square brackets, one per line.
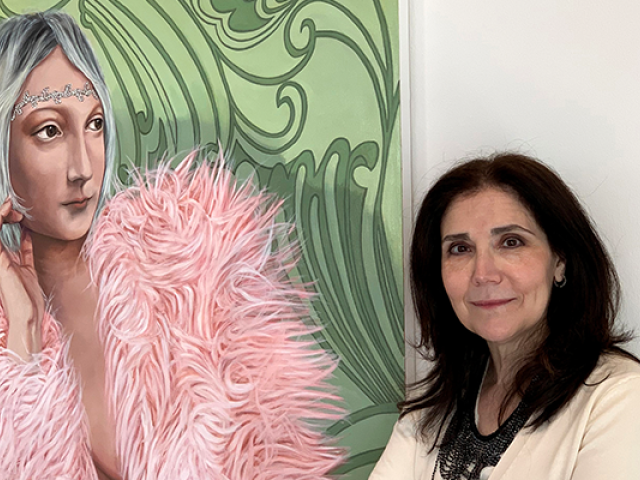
[56, 151]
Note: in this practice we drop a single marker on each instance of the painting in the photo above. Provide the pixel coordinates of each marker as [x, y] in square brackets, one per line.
[302, 97]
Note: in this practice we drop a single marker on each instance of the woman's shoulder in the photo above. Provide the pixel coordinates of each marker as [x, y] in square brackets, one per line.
[406, 455]
[616, 376]
[614, 368]
[409, 425]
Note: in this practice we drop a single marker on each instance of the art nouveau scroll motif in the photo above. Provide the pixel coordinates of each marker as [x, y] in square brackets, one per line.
[303, 96]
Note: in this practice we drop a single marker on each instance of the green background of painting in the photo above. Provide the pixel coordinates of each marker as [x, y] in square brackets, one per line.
[304, 96]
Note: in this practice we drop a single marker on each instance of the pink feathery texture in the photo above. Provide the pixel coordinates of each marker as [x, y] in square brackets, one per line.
[43, 426]
[211, 371]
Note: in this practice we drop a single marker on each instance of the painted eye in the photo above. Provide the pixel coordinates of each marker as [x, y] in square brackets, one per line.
[96, 125]
[48, 132]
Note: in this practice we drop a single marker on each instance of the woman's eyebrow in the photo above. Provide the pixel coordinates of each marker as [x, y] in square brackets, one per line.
[455, 236]
[509, 228]
[38, 114]
[494, 231]
[97, 109]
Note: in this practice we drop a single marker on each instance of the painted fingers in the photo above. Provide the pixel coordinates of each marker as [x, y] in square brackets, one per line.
[20, 293]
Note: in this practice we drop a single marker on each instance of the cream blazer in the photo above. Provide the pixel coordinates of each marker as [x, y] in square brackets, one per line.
[595, 437]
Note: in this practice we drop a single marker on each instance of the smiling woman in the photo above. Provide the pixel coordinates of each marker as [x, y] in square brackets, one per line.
[517, 300]
[156, 365]
[498, 273]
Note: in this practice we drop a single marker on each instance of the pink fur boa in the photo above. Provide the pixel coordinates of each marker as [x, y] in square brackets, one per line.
[211, 373]
[43, 428]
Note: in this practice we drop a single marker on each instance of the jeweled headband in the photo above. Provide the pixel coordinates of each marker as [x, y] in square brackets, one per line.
[56, 96]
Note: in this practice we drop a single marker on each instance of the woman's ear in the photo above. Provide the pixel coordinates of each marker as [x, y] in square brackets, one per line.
[559, 272]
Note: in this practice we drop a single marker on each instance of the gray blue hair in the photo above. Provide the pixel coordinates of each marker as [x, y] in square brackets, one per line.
[26, 40]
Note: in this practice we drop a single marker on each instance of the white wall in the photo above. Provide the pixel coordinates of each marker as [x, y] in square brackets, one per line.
[556, 79]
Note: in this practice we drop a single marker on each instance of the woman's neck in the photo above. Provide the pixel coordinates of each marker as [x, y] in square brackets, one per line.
[58, 262]
[495, 389]
[507, 359]
[503, 367]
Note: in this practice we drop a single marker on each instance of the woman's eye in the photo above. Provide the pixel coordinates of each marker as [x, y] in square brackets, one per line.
[512, 242]
[48, 132]
[96, 124]
[458, 249]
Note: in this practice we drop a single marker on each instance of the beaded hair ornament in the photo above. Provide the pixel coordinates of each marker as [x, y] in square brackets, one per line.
[56, 96]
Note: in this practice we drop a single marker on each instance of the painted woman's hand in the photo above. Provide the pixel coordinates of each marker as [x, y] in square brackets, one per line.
[20, 293]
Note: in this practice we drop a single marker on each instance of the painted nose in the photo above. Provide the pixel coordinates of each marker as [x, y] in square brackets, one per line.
[485, 270]
[79, 168]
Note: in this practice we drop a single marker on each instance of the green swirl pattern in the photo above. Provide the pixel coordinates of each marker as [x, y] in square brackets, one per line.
[303, 96]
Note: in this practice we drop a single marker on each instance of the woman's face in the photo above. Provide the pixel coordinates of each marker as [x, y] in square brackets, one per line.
[497, 267]
[56, 152]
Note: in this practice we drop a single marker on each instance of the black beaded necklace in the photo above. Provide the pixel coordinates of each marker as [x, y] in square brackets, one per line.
[464, 452]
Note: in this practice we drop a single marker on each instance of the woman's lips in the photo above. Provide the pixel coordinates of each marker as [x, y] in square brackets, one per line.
[78, 203]
[491, 303]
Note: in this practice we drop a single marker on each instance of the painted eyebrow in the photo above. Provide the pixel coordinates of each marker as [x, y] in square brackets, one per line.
[494, 231]
[97, 109]
[38, 113]
[59, 109]
[40, 109]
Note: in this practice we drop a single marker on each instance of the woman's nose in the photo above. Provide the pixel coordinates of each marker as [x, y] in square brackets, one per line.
[485, 268]
[79, 166]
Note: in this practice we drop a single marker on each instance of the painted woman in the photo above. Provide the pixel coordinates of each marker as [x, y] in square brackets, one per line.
[174, 352]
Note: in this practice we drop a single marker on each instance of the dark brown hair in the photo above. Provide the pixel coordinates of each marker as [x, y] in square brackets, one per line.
[580, 316]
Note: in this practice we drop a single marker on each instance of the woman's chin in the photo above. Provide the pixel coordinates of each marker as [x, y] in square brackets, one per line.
[58, 234]
[510, 341]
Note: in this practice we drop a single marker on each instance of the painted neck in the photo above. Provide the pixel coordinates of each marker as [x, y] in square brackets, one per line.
[57, 261]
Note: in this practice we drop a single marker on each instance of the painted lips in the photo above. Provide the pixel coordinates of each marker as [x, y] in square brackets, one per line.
[78, 203]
